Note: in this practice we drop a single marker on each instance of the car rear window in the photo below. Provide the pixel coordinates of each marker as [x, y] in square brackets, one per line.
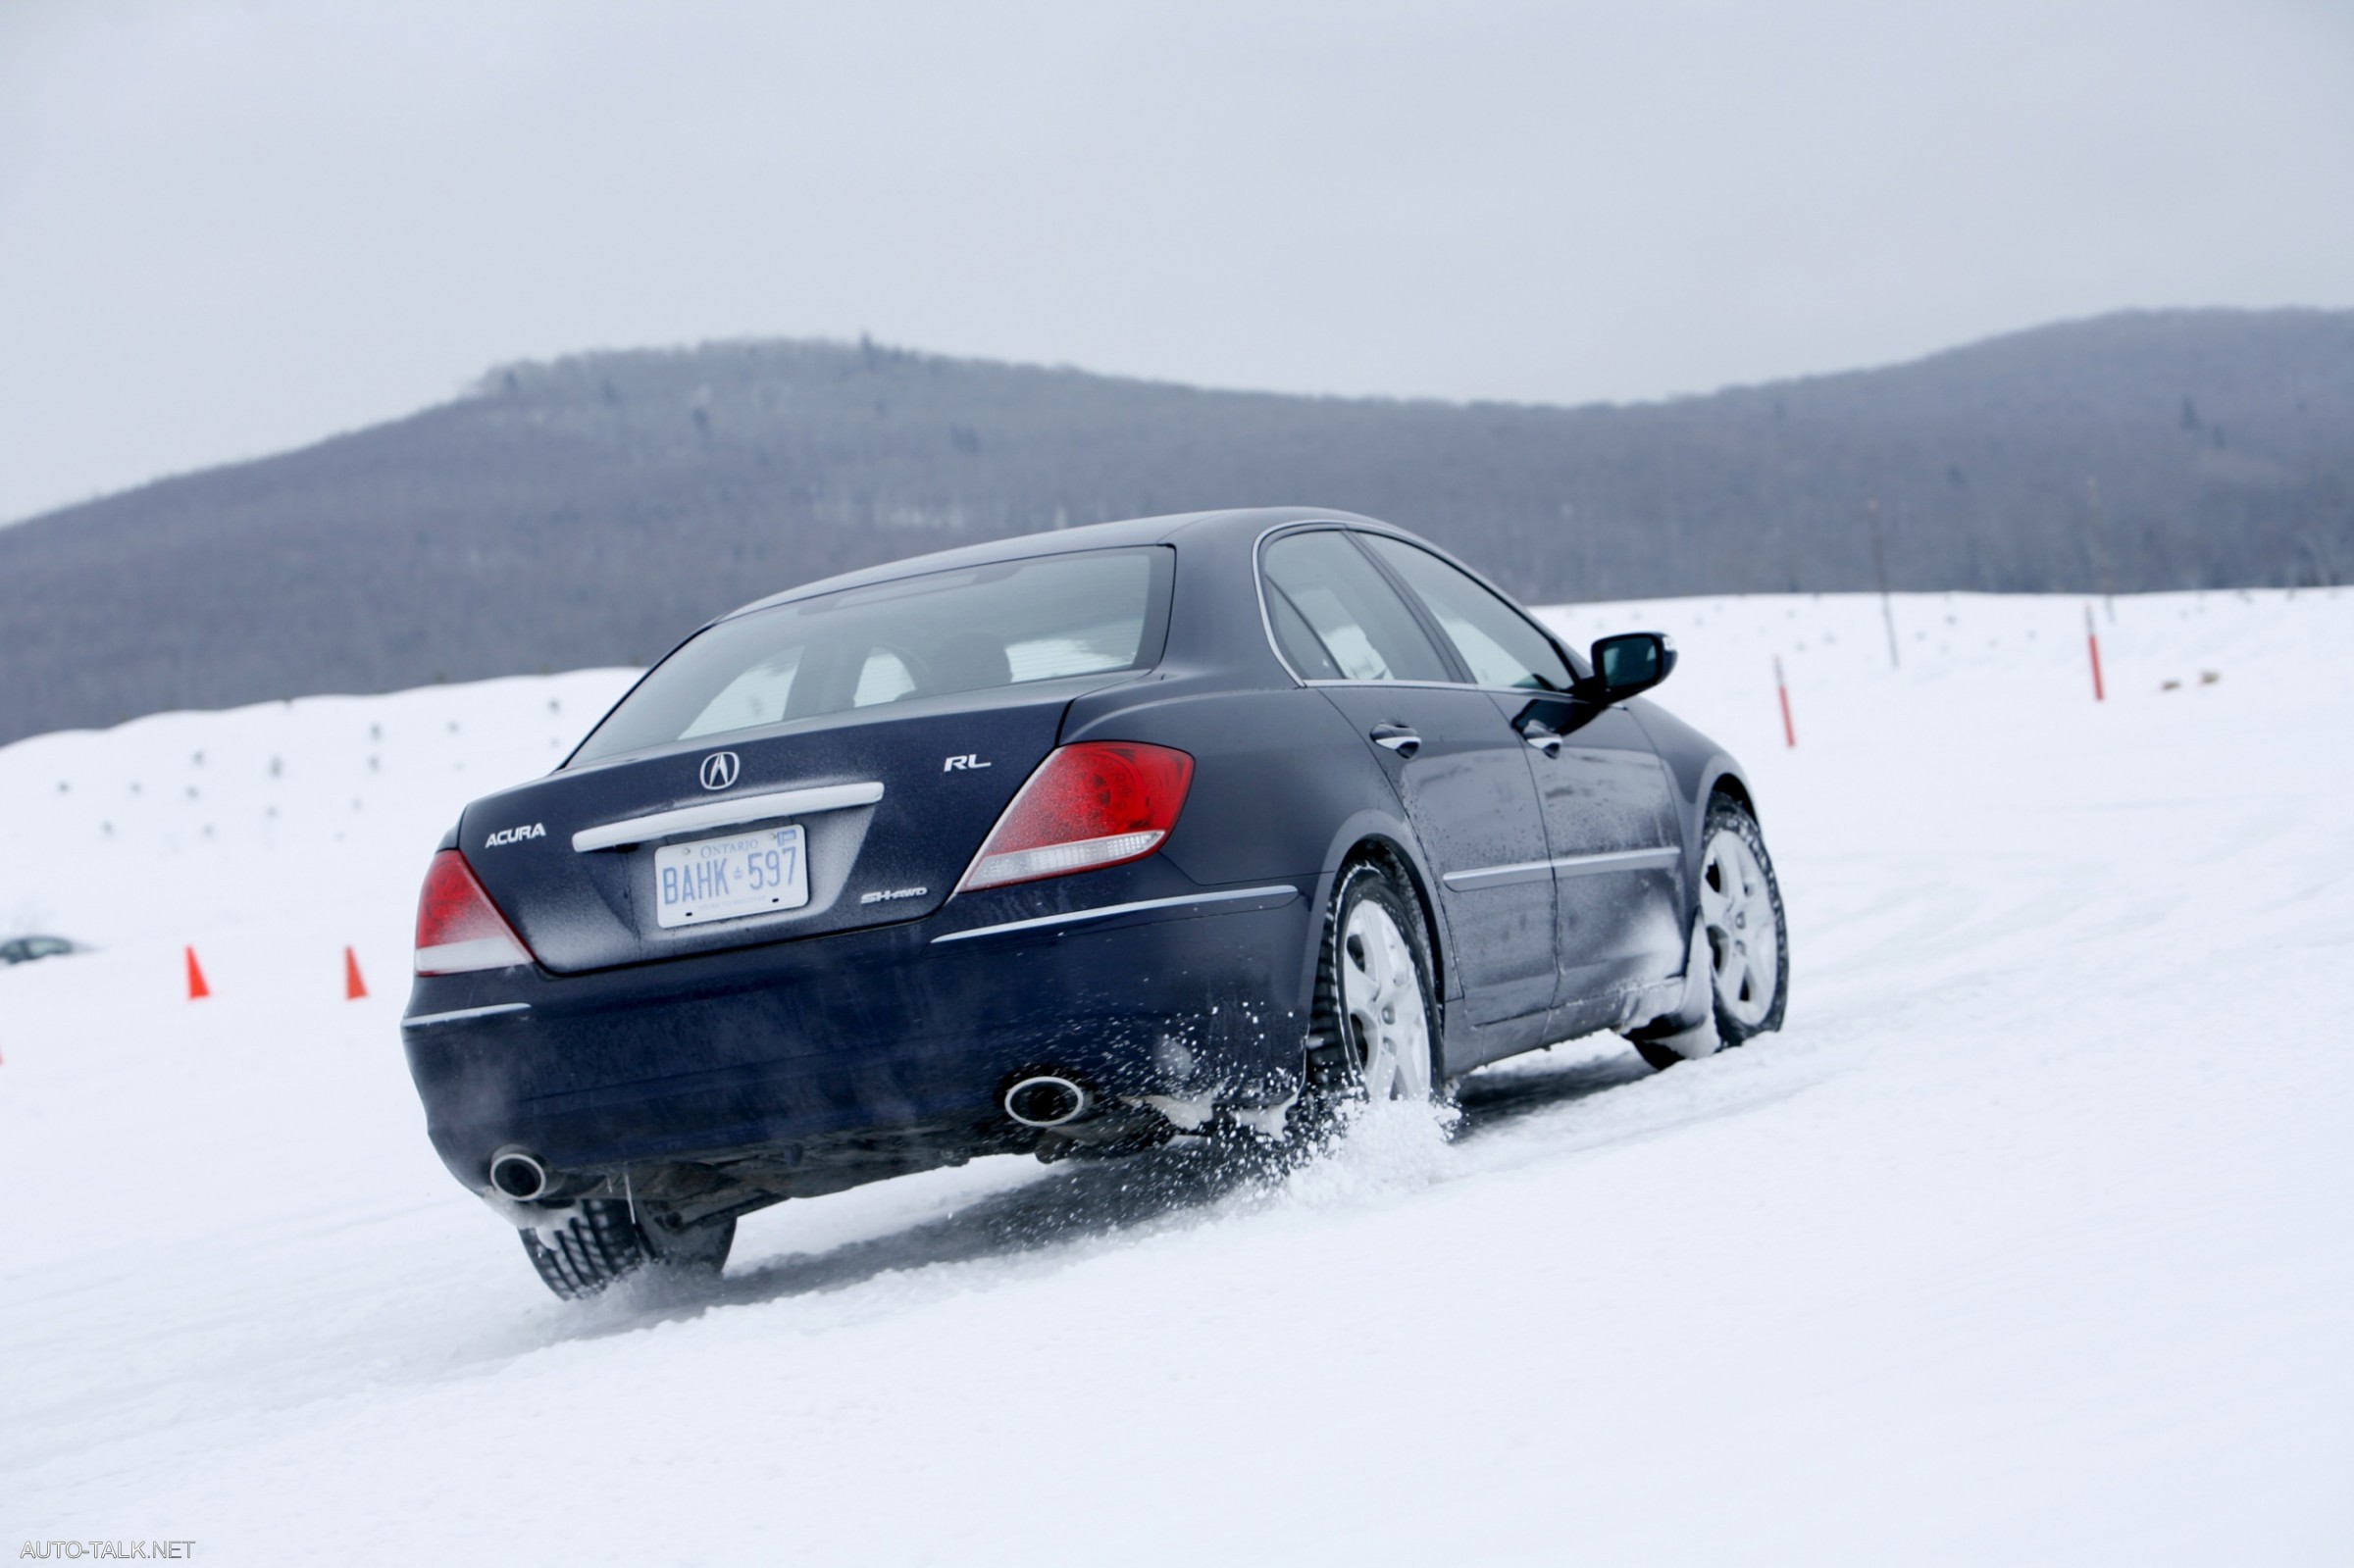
[1007, 625]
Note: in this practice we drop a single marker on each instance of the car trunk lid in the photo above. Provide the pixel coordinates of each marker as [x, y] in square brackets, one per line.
[891, 804]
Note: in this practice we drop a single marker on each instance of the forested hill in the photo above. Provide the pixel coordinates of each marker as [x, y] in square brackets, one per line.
[589, 511]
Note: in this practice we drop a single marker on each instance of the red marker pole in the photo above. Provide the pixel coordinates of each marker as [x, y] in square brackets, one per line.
[2092, 640]
[1782, 690]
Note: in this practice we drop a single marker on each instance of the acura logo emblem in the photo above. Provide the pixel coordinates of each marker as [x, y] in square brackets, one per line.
[719, 770]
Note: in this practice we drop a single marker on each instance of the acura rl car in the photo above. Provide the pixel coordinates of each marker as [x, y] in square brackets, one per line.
[1067, 844]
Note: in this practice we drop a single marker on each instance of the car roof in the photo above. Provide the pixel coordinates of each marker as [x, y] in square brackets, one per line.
[1203, 526]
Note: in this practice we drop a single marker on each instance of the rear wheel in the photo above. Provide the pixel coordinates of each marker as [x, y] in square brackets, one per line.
[594, 1242]
[1375, 1028]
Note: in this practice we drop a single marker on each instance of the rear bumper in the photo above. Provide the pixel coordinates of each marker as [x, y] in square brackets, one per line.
[900, 1032]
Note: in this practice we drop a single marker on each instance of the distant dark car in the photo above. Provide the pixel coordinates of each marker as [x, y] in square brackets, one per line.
[25, 949]
[1067, 844]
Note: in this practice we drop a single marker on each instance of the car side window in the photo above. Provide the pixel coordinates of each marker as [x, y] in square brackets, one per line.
[1496, 642]
[1298, 641]
[1336, 618]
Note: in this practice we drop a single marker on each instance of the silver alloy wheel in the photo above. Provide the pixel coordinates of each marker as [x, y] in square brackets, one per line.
[1381, 991]
[1745, 939]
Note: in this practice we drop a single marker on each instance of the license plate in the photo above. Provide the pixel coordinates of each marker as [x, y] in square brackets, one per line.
[722, 878]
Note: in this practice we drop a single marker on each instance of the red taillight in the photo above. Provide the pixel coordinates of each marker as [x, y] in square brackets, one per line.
[1093, 804]
[458, 928]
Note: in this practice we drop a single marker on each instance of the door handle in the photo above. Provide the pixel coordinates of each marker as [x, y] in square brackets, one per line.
[1542, 740]
[1396, 738]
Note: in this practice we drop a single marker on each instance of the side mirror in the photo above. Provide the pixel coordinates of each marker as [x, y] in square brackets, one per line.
[1627, 666]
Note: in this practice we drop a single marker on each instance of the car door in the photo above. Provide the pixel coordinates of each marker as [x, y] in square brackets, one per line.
[1612, 832]
[1460, 773]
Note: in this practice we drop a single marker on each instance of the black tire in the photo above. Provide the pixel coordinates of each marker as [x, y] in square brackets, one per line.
[594, 1242]
[1334, 1073]
[1738, 1024]
[1659, 1058]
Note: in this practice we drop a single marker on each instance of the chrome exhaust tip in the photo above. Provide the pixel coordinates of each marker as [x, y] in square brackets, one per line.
[1046, 1100]
[519, 1173]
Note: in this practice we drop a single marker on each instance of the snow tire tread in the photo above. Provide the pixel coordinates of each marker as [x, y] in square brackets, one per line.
[596, 1246]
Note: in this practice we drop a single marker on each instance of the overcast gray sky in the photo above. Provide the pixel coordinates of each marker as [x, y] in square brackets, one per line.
[227, 229]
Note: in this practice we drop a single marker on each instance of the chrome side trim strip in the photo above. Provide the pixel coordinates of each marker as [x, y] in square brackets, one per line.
[464, 1013]
[1281, 892]
[1618, 860]
[1501, 875]
[1564, 866]
[727, 814]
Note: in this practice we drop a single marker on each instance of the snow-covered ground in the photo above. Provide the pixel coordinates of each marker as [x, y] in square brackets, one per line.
[2026, 1241]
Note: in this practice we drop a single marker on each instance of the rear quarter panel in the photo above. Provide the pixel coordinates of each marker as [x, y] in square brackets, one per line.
[1283, 789]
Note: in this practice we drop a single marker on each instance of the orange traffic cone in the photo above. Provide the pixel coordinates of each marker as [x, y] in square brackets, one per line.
[354, 987]
[198, 990]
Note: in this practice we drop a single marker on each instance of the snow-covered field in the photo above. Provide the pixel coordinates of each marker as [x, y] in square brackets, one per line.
[2026, 1241]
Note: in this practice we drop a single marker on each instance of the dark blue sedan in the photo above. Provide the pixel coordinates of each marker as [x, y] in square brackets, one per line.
[1069, 845]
